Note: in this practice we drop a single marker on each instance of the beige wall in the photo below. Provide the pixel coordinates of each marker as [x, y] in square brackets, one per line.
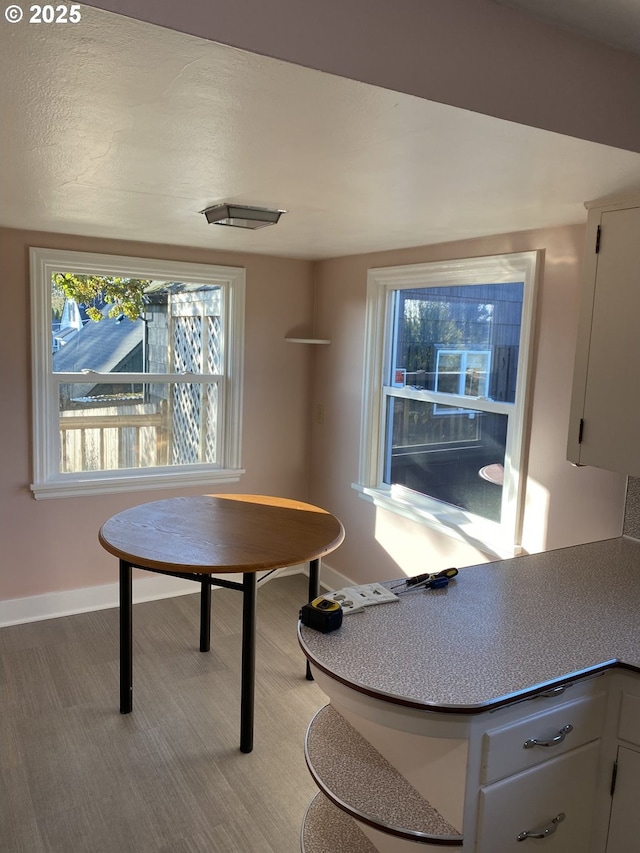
[564, 505]
[52, 545]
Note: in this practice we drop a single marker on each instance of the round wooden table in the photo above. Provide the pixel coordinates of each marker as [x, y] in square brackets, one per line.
[195, 537]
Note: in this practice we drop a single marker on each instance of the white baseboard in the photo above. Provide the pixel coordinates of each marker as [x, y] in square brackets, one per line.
[51, 605]
[330, 578]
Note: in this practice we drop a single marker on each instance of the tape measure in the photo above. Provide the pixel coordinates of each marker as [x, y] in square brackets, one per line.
[322, 615]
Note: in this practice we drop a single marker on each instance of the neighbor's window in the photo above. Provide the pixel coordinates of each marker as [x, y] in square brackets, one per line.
[447, 351]
[137, 373]
[461, 372]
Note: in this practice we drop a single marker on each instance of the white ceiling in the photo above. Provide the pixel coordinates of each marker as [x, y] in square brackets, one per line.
[121, 129]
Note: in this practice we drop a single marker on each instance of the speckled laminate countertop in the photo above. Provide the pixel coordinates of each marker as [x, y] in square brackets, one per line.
[498, 631]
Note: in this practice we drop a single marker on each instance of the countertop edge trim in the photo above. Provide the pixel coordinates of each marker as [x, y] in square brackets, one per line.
[478, 708]
[407, 834]
[415, 835]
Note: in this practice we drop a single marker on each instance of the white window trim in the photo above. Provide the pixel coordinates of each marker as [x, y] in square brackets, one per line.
[48, 482]
[501, 540]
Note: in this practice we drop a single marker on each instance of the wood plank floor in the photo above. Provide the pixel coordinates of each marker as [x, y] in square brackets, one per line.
[169, 777]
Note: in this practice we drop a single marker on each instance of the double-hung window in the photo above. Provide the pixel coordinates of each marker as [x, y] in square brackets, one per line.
[447, 359]
[137, 373]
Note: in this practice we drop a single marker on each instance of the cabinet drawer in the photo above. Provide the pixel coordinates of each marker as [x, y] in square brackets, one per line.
[629, 724]
[504, 750]
[529, 802]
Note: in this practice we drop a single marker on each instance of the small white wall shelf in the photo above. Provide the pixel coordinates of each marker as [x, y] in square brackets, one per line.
[307, 341]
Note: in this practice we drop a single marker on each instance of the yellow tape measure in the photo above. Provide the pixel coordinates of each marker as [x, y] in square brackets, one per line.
[322, 615]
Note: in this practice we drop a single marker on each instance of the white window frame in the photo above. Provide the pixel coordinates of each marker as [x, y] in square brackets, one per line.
[496, 539]
[48, 481]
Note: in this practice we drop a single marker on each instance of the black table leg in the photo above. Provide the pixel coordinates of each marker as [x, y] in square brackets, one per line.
[314, 592]
[249, 590]
[205, 615]
[314, 579]
[126, 638]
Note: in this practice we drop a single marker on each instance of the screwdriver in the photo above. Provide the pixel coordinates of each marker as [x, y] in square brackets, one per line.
[428, 581]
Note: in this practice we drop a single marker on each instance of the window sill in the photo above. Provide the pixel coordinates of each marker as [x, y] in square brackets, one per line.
[443, 518]
[79, 486]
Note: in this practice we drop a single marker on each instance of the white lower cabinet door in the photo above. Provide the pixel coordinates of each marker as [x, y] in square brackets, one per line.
[624, 826]
[546, 808]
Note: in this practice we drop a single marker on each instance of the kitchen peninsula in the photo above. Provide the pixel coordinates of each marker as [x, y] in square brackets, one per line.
[507, 702]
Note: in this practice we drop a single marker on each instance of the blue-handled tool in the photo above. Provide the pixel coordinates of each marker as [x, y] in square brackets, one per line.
[427, 581]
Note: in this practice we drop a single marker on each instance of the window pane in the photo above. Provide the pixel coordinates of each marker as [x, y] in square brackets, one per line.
[114, 426]
[476, 373]
[448, 369]
[458, 340]
[177, 330]
[447, 454]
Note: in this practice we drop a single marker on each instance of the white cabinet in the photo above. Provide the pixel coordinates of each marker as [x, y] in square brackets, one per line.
[500, 718]
[417, 781]
[547, 734]
[539, 772]
[624, 826]
[551, 802]
[604, 428]
[624, 823]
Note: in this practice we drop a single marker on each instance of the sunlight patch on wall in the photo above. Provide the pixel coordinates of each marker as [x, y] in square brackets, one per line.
[536, 514]
[416, 549]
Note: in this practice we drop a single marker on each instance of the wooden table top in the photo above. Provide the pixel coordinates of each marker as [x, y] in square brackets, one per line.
[221, 533]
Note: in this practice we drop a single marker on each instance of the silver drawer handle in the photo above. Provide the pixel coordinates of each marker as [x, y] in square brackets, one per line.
[544, 833]
[564, 731]
[555, 691]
